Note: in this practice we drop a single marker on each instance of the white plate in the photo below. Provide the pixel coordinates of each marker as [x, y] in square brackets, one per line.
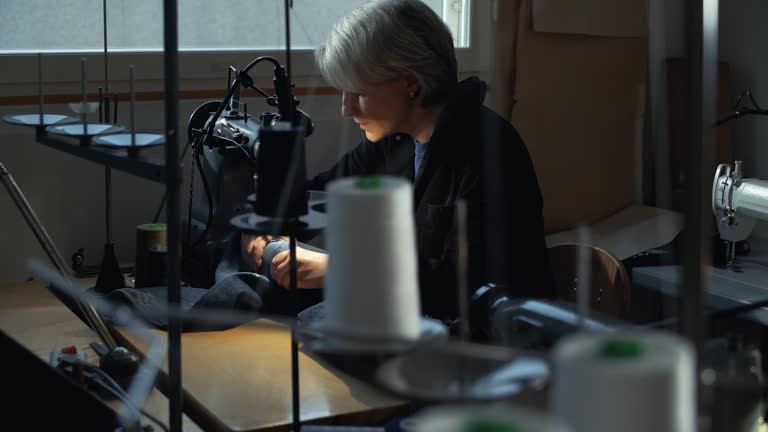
[452, 371]
[34, 119]
[321, 340]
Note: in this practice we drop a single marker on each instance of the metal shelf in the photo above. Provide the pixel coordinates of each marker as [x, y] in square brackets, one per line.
[147, 168]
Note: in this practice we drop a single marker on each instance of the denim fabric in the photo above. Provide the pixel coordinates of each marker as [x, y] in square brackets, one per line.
[237, 287]
[239, 291]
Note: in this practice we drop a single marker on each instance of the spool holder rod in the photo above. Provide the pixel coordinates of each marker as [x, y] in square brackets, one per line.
[40, 86]
[293, 270]
[84, 95]
[106, 64]
[294, 343]
[101, 106]
[132, 105]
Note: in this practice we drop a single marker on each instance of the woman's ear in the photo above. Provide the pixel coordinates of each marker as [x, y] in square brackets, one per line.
[413, 85]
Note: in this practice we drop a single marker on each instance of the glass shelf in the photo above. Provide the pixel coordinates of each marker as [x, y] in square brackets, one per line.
[121, 160]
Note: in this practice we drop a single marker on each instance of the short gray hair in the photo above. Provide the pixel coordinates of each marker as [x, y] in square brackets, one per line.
[384, 39]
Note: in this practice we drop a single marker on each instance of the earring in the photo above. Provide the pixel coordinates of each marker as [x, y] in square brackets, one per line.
[412, 95]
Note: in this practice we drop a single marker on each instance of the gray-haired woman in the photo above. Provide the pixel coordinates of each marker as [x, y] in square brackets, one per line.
[395, 64]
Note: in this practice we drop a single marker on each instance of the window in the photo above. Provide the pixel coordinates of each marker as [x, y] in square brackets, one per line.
[137, 25]
[211, 38]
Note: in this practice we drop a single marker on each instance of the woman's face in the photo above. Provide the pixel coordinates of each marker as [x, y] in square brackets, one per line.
[383, 110]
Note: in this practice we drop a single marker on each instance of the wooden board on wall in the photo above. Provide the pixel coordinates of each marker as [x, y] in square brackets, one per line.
[625, 18]
[578, 104]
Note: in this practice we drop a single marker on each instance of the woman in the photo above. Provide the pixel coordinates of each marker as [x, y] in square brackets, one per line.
[394, 62]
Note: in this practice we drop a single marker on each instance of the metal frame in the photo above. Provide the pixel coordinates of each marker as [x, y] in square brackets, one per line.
[699, 100]
[172, 183]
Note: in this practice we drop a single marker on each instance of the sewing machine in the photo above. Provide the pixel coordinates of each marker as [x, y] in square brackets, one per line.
[226, 143]
[737, 203]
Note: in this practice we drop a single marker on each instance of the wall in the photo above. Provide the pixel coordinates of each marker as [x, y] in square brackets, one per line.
[743, 36]
[579, 104]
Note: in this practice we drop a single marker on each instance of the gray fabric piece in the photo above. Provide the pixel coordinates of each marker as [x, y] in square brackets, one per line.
[240, 291]
[237, 287]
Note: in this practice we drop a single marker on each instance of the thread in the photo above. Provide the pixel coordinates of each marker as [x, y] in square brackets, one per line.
[151, 242]
[371, 285]
[627, 381]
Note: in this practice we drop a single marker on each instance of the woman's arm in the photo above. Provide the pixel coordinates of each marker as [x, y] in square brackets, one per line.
[310, 268]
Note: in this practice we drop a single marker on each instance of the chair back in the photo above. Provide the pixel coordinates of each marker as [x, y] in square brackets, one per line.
[609, 281]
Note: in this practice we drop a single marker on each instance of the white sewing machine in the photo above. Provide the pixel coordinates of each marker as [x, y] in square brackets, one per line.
[737, 203]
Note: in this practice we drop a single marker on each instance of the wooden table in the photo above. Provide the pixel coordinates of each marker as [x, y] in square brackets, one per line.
[240, 379]
[31, 315]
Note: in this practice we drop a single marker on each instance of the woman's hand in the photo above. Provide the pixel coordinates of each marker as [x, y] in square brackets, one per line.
[252, 248]
[310, 268]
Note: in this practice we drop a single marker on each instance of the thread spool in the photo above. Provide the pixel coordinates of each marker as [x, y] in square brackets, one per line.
[629, 382]
[151, 241]
[371, 287]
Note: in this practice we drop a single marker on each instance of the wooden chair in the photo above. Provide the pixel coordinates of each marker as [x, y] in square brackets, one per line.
[610, 293]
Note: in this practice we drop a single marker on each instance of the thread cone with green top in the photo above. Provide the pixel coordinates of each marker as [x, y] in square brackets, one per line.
[153, 226]
[625, 348]
[491, 426]
[370, 182]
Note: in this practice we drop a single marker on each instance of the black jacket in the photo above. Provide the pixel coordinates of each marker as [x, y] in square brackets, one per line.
[508, 247]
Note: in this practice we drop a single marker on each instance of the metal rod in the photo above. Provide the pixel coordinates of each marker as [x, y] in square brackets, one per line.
[293, 275]
[108, 199]
[114, 117]
[701, 46]
[288, 6]
[83, 117]
[295, 401]
[87, 310]
[295, 381]
[40, 86]
[132, 104]
[463, 268]
[462, 284]
[105, 102]
[101, 106]
[657, 105]
[172, 182]
[106, 64]
[584, 276]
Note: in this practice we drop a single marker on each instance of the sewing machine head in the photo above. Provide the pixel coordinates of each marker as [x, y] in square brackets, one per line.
[737, 204]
